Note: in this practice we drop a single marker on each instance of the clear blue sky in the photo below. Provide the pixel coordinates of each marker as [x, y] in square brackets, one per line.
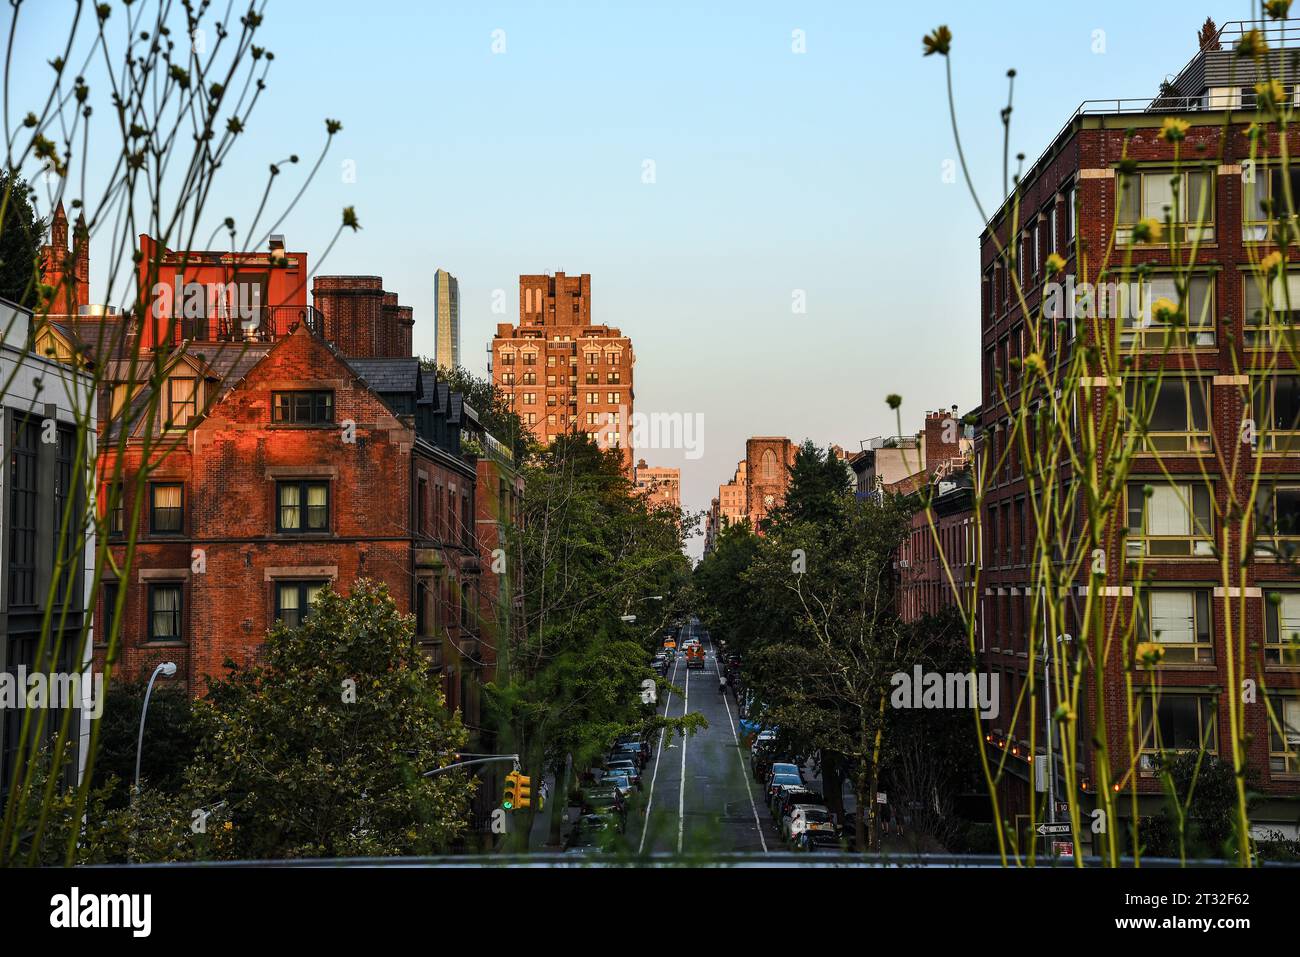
[775, 172]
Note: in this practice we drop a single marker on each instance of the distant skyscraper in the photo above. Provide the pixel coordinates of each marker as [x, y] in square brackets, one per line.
[446, 321]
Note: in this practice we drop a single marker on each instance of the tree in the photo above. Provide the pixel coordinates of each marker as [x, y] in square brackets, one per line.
[170, 738]
[321, 751]
[20, 240]
[726, 604]
[592, 551]
[828, 678]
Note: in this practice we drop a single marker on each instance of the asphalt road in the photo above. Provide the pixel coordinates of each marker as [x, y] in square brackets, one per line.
[699, 794]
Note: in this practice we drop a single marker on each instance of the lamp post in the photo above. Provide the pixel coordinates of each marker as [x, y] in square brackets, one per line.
[167, 668]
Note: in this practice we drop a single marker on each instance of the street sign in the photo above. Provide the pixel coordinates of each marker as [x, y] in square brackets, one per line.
[1046, 829]
[1063, 807]
[1063, 848]
[880, 798]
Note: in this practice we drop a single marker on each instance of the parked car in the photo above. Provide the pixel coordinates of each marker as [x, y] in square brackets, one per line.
[592, 833]
[789, 798]
[614, 764]
[811, 827]
[619, 778]
[601, 797]
[630, 752]
[638, 741]
[778, 781]
[785, 767]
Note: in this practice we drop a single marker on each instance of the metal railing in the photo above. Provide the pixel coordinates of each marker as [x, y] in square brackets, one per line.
[266, 324]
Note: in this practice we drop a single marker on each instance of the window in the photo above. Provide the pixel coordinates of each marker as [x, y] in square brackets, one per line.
[615, 398]
[165, 611]
[1187, 198]
[1264, 202]
[551, 399]
[293, 601]
[1284, 745]
[507, 378]
[303, 506]
[1276, 402]
[1070, 218]
[530, 378]
[1270, 310]
[1144, 308]
[550, 380]
[182, 401]
[507, 358]
[1174, 411]
[550, 361]
[108, 595]
[24, 500]
[1173, 523]
[530, 358]
[1178, 621]
[1282, 628]
[166, 508]
[593, 358]
[302, 407]
[1177, 722]
[530, 398]
[1277, 509]
[593, 378]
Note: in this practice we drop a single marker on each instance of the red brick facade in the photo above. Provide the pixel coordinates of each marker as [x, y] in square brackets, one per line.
[1081, 171]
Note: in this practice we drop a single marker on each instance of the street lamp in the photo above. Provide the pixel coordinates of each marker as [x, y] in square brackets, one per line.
[167, 668]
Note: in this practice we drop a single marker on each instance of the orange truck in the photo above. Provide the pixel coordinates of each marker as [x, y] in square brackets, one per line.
[694, 656]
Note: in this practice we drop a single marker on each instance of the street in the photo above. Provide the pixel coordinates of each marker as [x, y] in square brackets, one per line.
[701, 797]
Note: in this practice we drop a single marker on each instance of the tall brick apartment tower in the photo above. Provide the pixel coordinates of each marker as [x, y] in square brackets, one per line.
[1106, 171]
[563, 373]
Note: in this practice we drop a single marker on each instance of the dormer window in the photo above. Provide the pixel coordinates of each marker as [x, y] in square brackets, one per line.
[182, 401]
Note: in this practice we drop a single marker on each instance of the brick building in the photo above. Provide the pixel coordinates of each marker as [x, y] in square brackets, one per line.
[661, 484]
[757, 486]
[925, 586]
[281, 462]
[1214, 377]
[561, 372]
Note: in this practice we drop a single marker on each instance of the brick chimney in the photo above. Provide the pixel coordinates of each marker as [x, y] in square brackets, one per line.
[939, 426]
[353, 307]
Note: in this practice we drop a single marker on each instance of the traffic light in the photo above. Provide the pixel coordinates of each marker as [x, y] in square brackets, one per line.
[510, 797]
[523, 791]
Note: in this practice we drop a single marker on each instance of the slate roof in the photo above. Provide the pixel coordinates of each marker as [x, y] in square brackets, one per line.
[398, 374]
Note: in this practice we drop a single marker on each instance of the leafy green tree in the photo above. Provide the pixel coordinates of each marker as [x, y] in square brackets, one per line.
[726, 603]
[170, 738]
[321, 751]
[20, 240]
[592, 553]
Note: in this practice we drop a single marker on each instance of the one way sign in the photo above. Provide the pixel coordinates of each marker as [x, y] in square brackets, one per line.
[1046, 829]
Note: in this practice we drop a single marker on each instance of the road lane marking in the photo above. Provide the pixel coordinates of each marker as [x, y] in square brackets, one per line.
[655, 776]
[744, 771]
[681, 788]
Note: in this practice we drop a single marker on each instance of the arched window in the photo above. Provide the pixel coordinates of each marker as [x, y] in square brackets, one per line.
[767, 467]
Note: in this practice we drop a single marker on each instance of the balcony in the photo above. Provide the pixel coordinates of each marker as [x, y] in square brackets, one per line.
[267, 324]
